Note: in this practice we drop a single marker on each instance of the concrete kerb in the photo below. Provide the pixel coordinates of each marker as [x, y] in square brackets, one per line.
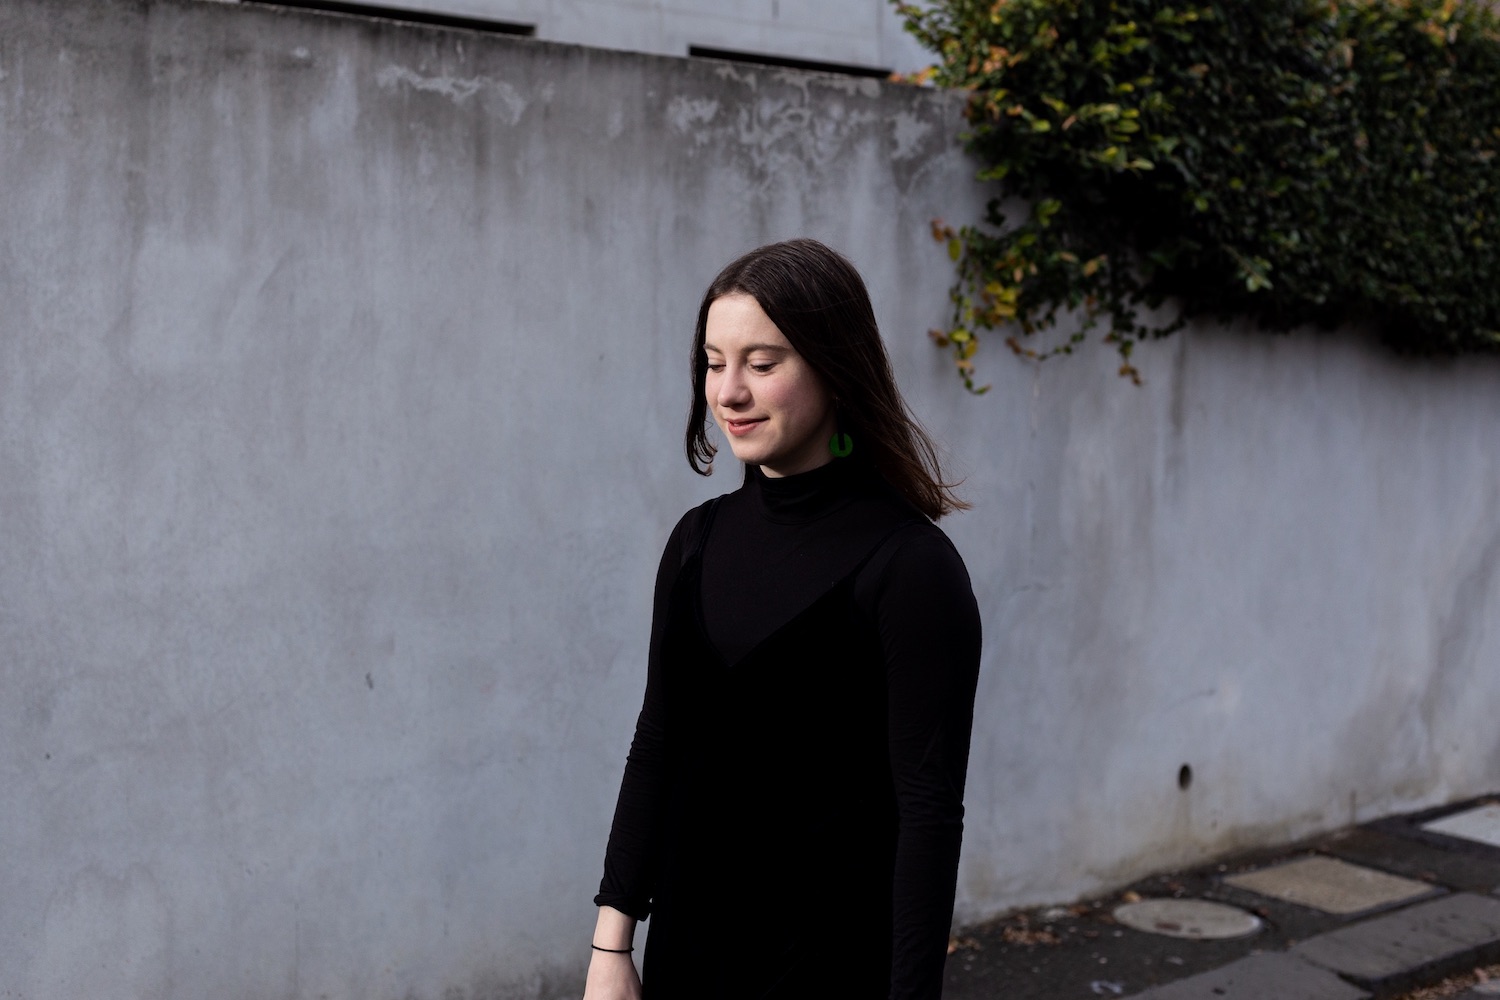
[1282, 975]
[1412, 946]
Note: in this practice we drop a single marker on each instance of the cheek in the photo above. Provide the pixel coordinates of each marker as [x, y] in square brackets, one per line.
[811, 401]
[783, 399]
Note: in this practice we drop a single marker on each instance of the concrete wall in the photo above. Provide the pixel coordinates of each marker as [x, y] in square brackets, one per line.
[852, 32]
[341, 373]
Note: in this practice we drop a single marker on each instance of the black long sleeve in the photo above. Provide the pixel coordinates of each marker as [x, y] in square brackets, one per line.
[630, 858]
[919, 596]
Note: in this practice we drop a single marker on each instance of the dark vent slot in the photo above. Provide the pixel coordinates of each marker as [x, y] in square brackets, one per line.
[760, 59]
[409, 16]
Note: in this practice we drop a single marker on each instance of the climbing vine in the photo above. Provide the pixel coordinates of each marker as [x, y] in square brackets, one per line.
[1290, 161]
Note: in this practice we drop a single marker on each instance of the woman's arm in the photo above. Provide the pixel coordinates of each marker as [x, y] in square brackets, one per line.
[631, 854]
[626, 889]
[928, 622]
[612, 974]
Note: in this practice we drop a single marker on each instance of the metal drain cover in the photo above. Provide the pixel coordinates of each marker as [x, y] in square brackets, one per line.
[1194, 919]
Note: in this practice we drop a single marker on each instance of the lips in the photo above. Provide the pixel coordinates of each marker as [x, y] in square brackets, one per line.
[740, 428]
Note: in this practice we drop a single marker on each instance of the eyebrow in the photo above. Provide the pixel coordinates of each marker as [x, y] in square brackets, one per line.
[777, 348]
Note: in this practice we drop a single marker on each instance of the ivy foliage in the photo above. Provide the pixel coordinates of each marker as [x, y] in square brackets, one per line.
[1292, 161]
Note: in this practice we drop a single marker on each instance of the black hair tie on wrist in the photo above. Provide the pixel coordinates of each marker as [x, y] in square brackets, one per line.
[612, 951]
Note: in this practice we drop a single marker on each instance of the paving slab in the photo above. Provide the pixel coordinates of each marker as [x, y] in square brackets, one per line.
[1481, 825]
[1259, 977]
[1331, 885]
[1414, 853]
[1413, 825]
[1407, 947]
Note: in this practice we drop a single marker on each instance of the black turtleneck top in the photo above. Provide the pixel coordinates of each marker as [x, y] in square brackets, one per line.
[802, 748]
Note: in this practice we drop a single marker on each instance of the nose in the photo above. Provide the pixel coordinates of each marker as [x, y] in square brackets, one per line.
[732, 391]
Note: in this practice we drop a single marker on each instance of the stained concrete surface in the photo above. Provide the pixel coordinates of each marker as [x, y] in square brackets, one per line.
[342, 378]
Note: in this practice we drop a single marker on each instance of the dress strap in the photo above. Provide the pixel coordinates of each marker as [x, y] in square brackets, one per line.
[895, 530]
[697, 533]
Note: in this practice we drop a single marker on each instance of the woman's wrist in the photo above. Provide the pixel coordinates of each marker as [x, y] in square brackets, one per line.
[614, 934]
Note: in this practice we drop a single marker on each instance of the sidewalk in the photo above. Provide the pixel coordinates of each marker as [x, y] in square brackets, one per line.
[1374, 911]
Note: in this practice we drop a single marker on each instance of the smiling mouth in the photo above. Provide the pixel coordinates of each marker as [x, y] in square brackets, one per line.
[738, 427]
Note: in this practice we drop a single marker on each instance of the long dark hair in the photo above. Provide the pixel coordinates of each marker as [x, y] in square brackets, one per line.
[819, 303]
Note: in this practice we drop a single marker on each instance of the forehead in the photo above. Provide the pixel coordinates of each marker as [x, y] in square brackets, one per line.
[737, 323]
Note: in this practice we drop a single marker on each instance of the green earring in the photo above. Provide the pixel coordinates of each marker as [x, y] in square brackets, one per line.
[841, 445]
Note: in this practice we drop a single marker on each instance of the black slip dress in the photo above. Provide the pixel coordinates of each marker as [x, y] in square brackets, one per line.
[791, 811]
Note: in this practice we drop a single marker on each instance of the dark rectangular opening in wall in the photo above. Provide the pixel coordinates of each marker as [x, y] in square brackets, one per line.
[409, 16]
[760, 59]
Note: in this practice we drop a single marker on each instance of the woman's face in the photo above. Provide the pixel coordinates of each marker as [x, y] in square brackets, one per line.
[771, 406]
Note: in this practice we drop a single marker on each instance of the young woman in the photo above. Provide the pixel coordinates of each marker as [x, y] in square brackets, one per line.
[792, 804]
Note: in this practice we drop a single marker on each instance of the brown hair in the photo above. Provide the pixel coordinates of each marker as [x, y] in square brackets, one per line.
[819, 303]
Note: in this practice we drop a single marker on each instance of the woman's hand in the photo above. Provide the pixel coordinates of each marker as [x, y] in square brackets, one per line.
[612, 977]
[612, 974]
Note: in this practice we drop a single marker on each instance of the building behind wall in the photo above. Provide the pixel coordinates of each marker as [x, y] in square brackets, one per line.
[860, 36]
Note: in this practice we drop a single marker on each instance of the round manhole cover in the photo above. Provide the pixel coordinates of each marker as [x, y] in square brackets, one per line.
[1195, 919]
